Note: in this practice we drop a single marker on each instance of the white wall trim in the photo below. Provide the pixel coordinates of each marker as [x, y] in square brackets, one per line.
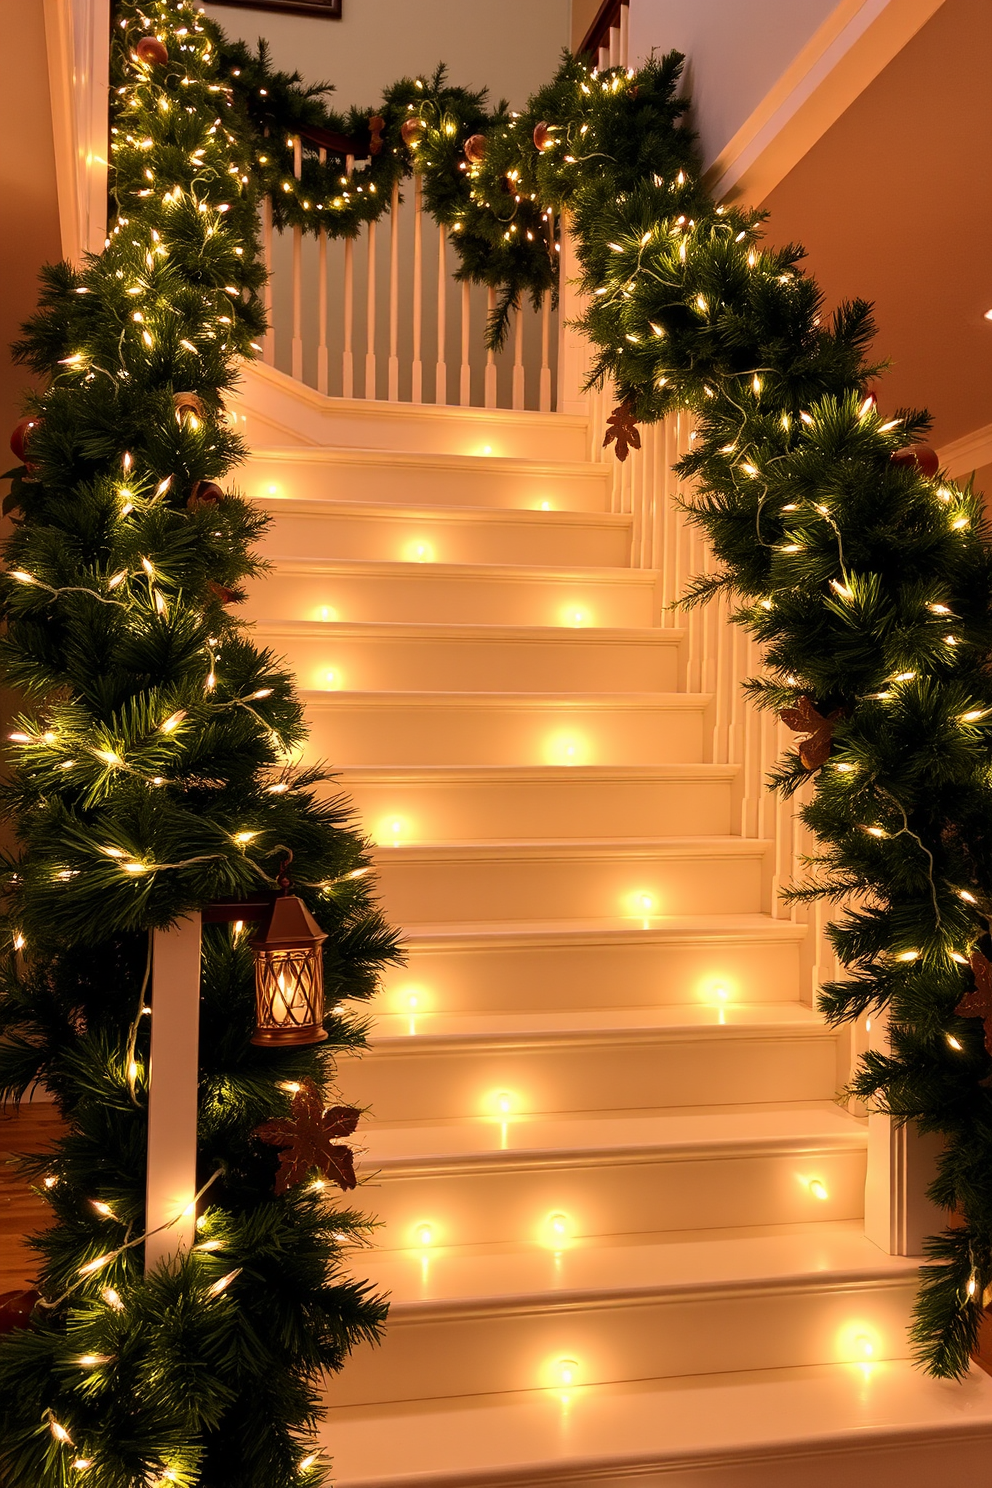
[968, 453]
[77, 35]
[847, 53]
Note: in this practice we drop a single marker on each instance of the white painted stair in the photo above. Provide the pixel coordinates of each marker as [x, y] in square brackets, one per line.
[621, 1211]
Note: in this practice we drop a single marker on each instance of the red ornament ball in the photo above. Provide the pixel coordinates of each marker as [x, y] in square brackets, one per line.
[152, 51]
[205, 493]
[411, 130]
[923, 456]
[22, 434]
[475, 148]
[15, 1309]
[542, 136]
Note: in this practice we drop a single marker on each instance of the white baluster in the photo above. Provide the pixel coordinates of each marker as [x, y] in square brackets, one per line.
[370, 317]
[614, 46]
[490, 387]
[393, 389]
[604, 58]
[465, 377]
[623, 53]
[441, 366]
[269, 343]
[417, 385]
[322, 300]
[348, 308]
[544, 399]
[517, 397]
[298, 272]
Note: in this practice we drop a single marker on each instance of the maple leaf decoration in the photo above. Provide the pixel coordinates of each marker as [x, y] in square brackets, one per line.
[305, 1138]
[814, 750]
[978, 1002]
[621, 427]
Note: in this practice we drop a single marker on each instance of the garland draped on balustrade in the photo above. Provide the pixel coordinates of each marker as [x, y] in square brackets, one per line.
[151, 774]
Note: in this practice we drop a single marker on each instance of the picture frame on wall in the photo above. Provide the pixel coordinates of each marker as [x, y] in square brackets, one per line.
[330, 9]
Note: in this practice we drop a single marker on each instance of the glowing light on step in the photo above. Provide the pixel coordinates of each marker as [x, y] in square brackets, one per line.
[557, 1231]
[272, 491]
[425, 1234]
[419, 552]
[331, 681]
[818, 1188]
[642, 905]
[391, 830]
[575, 615]
[567, 749]
[860, 1343]
[567, 1371]
[545, 506]
[486, 449]
[328, 613]
[504, 1103]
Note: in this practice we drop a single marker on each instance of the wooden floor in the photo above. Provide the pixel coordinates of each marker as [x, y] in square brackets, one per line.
[32, 1129]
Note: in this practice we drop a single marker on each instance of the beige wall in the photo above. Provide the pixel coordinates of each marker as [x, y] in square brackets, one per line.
[511, 47]
[894, 204]
[735, 51]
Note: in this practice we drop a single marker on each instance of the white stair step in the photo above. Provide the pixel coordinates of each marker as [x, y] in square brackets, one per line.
[396, 477]
[637, 878]
[438, 1067]
[717, 961]
[392, 533]
[504, 728]
[434, 804]
[504, 1322]
[367, 656]
[459, 593]
[270, 405]
[836, 1425]
[496, 1179]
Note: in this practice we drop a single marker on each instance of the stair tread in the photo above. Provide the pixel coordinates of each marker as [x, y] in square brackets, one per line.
[516, 572]
[354, 454]
[663, 928]
[400, 511]
[692, 702]
[719, 1418]
[425, 1031]
[488, 774]
[716, 845]
[469, 630]
[490, 1140]
[424, 1282]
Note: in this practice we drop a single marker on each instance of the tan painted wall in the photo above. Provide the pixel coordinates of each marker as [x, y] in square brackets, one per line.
[511, 47]
[28, 198]
[894, 204]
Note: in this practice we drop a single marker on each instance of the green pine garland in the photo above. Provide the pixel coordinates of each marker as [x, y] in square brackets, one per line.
[150, 776]
[866, 581]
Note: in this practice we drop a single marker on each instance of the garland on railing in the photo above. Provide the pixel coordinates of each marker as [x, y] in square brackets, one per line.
[153, 775]
[866, 577]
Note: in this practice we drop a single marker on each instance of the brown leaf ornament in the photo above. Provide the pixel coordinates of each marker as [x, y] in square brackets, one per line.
[978, 1002]
[621, 428]
[305, 1139]
[814, 750]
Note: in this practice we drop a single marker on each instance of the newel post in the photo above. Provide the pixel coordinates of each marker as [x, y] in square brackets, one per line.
[901, 1165]
[173, 1090]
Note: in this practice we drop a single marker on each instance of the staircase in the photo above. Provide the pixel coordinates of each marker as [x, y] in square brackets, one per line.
[621, 1210]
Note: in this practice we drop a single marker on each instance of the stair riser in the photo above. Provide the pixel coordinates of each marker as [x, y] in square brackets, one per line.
[650, 1340]
[553, 977]
[366, 732]
[418, 593]
[575, 663]
[369, 424]
[388, 536]
[399, 482]
[510, 1202]
[417, 889]
[609, 1076]
[447, 810]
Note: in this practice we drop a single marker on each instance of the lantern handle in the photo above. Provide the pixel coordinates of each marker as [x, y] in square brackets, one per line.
[282, 878]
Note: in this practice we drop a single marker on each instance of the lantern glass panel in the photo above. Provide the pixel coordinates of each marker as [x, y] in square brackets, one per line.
[289, 990]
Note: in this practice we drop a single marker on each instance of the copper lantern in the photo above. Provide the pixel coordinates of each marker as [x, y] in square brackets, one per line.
[289, 976]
